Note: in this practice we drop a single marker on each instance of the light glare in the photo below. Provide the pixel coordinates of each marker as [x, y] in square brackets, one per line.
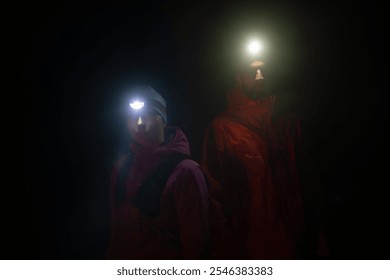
[137, 105]
[254, 47]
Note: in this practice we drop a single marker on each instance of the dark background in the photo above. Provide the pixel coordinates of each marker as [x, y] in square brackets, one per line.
[70, 63]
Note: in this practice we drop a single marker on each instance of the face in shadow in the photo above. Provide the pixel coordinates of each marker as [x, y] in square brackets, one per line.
[146, 127]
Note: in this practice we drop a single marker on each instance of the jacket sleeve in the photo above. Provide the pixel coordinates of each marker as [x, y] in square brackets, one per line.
[192, 208]
[211, 161]
[114, 179]
[110, 251]
[223, 170]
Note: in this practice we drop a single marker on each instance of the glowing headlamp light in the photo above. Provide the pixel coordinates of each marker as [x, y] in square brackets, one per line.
[254, 47]
[136, 105]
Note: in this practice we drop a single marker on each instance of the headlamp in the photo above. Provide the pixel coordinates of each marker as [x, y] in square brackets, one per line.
[254, 47]
[136, 105]
[143, 98]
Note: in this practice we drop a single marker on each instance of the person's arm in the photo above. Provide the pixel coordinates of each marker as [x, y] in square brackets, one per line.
[192, 207]
[223, 170]
[113, 182]
[224, 174]
[211, 162]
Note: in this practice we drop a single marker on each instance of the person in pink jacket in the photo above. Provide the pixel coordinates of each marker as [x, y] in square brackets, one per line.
[153, 217]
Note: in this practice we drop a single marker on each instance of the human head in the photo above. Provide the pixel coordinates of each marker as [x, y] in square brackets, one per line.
[250, 79]
[147, 116]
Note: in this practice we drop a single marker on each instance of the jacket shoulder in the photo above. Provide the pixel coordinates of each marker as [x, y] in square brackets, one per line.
[188, 165]
[188, 168]
[221, 121]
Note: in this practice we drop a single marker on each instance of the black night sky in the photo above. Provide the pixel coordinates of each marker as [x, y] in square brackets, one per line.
[71, 62]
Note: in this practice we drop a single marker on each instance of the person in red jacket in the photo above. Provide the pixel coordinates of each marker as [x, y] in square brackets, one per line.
[153, 218]
[250, 156]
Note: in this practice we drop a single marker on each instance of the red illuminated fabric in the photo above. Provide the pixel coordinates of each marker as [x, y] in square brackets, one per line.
[180, 231]
[254, 176]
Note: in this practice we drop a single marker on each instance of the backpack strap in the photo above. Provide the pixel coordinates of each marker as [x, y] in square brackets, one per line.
[149, 195]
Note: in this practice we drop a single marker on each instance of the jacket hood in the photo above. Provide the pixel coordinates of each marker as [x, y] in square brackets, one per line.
[175, 142]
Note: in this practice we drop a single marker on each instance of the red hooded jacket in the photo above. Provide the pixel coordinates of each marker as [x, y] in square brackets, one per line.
[181, 229]
[253, 174]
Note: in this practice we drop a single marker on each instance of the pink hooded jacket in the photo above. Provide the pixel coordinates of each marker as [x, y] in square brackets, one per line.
[181, 229]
